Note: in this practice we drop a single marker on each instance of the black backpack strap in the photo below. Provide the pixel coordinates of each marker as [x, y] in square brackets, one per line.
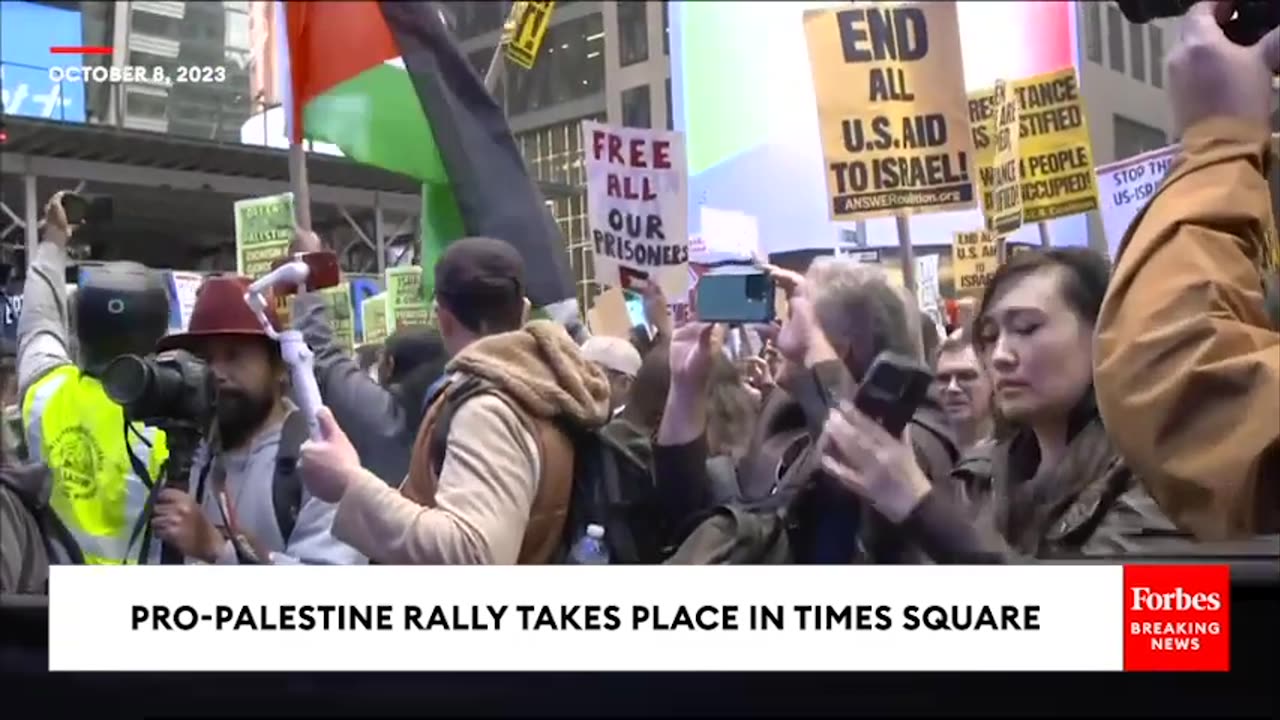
[597, 454]
[454, 396]
[286, 485]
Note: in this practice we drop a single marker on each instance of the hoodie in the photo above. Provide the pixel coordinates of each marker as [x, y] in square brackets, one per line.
[478, 509]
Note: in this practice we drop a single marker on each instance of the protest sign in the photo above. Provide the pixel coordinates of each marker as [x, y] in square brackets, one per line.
[1125, 187]
[868, 257]
[373, 318]
[529, 21]
[927, 287]
[406, 305]
[609, 316]
[892, 110]
[1001, 184]
[637, 206]
[184, 286]
[974, 258]
[361, 288]
[264, 230]
[1056, 167]
[341, 315]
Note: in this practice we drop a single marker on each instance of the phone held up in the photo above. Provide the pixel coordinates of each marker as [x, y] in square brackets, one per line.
[892, 391]
[735, 295]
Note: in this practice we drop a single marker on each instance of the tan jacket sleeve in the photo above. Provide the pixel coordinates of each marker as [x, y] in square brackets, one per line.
[483, 499]
[1187, 366]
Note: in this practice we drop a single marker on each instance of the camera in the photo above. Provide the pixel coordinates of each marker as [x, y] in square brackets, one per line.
[172, 386]
[1252, 19]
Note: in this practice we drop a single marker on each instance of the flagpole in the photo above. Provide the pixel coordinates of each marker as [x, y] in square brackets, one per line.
[298, 184]
[494, 73]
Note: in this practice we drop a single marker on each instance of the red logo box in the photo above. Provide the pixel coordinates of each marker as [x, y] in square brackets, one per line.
[1177, 618]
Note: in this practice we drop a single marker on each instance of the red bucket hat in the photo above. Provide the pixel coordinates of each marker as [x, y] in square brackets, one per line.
[220, 311]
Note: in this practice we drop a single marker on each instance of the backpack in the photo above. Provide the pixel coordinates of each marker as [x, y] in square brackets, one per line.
[31, 533]
[610, 488]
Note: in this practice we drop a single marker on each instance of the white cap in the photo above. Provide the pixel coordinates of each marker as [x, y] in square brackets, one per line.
[612, 353]
[595, 532]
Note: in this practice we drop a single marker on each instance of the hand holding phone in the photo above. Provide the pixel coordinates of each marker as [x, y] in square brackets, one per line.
[892, 391]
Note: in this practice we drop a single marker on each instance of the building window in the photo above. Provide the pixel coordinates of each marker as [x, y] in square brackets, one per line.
[1115, 38]
[633, 33]
[1093, 31]
[671, 112]
[666, 28]
[473, 19]
[1157, 56]
[1138, 52]
[635, 107]
[1135, 138]
[570, 67]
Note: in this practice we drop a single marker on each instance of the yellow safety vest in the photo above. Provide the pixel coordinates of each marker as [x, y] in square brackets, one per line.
[74, 428]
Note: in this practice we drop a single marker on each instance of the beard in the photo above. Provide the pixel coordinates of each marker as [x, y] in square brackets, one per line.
[240, 414]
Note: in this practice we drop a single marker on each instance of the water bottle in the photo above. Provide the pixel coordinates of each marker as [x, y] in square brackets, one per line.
[590, 548]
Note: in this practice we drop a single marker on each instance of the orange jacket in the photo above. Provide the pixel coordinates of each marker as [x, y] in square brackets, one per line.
[1187, 361]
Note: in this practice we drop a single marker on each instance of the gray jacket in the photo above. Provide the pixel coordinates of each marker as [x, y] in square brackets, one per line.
[371, 416]
[44, 339]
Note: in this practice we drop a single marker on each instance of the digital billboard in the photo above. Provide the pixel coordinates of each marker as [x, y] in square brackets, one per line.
[742, 91]
[27, 32]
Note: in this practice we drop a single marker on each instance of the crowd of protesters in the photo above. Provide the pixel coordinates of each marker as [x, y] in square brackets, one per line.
[1079, 408]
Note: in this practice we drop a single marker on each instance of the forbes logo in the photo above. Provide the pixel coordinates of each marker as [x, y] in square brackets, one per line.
[1177, 618]
[1144, 598]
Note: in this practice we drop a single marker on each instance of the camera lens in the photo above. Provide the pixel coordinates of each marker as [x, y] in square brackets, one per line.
[125, 380]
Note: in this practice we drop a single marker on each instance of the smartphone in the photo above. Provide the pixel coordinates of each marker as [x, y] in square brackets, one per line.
[892, 391]
[735, 294]
[80, 210]
[635, 311]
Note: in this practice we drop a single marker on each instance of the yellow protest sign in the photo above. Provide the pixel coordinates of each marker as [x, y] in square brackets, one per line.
[530, 28]
[373, 316]
[1001, 182]
[1056, 167]
[341, 315]
[892, 111]
[974, 258]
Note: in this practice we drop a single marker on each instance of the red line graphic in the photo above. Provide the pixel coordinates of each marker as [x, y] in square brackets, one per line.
[80, 50]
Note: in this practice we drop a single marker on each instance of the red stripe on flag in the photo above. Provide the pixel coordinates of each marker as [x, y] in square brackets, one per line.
[80, 50]
[329, 43]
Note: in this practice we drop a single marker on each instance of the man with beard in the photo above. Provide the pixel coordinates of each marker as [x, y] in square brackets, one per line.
[239, 504]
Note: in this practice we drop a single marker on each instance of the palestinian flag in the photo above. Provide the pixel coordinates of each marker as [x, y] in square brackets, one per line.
[386, 83]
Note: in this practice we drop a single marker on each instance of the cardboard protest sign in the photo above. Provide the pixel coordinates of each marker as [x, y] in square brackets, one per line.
[974, 259]
[892, 111]
[264, 230]
[637, 206]
[1056, 166]
[1001, 183]
[373, 317]
[609, 316]
[1125, 187]
[406, 304]
[341, 315]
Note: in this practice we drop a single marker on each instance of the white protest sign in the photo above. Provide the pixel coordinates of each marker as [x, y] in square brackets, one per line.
[637, 206]
[728, 233]
[927, 291]
[185, 286]
[1124, 188]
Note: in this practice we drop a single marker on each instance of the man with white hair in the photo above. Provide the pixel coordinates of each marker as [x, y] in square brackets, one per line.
[842, 315]
[619, 360]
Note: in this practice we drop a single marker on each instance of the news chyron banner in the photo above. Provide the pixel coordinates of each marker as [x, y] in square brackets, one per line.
[638, 206]
[1053, 145]
[1001, 182]
[974, 259]
[892, 111]
[639, 618]
[531, 20]
[1126, 186]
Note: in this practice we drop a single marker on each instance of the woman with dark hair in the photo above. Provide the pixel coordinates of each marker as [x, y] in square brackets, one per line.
[1054, 485]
